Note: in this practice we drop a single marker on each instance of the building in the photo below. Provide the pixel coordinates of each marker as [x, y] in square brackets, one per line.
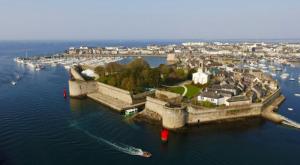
[212, 97]
[200, 77]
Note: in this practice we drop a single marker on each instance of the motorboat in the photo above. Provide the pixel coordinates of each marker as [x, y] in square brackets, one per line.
[146, 154]
[290, 109]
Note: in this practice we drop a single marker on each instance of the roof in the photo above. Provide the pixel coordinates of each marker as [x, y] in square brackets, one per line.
[211, 95]
[238, 98]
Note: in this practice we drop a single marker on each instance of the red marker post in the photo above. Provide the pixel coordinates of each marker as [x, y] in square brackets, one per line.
[164, 134]
[65, 93]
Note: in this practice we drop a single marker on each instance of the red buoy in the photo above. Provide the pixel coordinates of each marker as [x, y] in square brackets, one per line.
[164, 134]
[65, 93]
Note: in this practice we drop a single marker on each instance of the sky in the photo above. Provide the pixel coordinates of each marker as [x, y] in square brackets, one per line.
[149, 19]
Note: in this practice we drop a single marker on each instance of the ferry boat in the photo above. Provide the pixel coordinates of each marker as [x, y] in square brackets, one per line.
[131, 111]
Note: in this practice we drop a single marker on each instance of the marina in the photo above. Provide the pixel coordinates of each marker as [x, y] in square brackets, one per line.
[38, 63]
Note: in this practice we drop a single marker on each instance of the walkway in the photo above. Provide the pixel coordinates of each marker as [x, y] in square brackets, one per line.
[269, 114]
[185, 90]
[181, 85]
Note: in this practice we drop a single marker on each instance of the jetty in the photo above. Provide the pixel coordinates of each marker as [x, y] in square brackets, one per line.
[270, 114]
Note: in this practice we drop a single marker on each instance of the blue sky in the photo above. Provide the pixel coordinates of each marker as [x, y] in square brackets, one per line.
[151, 19]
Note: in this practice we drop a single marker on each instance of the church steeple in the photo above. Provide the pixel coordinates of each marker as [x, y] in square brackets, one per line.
[201, 65]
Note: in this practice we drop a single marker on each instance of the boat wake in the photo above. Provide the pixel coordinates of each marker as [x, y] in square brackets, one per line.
[117, 146]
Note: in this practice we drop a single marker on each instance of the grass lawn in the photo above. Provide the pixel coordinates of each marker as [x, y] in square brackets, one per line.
[178, 90]
[192, 90]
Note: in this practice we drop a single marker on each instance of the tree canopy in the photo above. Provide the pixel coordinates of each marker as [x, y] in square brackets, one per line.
[137, 76]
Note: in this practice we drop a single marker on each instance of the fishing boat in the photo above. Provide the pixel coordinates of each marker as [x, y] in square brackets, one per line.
[130, 112]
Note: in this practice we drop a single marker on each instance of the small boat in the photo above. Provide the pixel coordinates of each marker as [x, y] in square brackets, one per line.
[284, 76]
[131, 111]
[146, 154]
[292, 79]
[13, 83]
[297, 94]
[290, 109]
[18, 77]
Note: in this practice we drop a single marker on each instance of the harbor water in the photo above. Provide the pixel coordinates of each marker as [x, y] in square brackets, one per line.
[39, 127]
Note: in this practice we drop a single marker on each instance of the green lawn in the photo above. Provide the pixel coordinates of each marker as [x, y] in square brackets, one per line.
[192, 91]
[178, 90]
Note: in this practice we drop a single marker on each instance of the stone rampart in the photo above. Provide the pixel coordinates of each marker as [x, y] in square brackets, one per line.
[115, 93]
[81, 88]
[172, 118]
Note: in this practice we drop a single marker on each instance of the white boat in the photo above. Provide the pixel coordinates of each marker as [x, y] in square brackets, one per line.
[13, 83]
[18, 77]
[273, 74]
[292, 79]
[31, 65]
[67, 67]
[278, 69]
[297, 94]
[131, 111]
[290, 109]
[284, 76]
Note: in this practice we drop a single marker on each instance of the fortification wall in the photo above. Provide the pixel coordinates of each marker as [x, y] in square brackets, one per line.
[76, 75]
[81, 88]
[203, 116]
[177, 117]
[114, 92]
[267, 101]
[172, 118]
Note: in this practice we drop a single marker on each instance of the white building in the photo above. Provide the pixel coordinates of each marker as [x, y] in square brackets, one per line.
[200, 77]
[212, 97]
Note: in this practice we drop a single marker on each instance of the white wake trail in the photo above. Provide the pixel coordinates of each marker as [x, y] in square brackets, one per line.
[119, 147]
